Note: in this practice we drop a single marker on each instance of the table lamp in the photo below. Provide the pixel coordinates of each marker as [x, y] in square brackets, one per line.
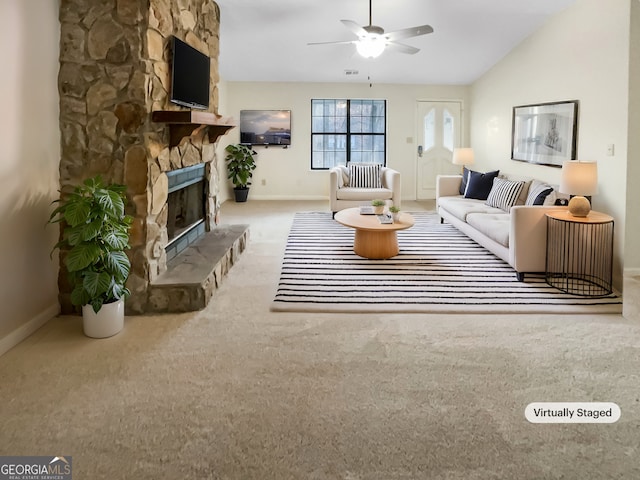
[462, 156]
[579, 179]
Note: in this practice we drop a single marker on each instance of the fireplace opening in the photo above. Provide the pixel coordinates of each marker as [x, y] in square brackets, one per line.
[186, 208]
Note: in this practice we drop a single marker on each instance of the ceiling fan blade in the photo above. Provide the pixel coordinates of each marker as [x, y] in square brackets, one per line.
[333, 43]
[354, 27]
[409, 32]
[402, 48]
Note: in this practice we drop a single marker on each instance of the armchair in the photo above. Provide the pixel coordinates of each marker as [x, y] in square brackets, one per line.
[342, 196]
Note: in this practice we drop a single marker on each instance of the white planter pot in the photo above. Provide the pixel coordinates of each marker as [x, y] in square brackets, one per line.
[106, 323]
[396, 217]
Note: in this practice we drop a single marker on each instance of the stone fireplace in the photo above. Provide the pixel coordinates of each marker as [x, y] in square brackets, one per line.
[114, 74]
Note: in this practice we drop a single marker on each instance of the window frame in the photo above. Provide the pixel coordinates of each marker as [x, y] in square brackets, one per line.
[348, 133]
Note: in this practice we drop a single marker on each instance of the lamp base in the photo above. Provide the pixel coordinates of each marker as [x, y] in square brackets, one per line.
[579, 206]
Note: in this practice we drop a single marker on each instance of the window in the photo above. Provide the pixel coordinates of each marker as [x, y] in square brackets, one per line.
[347, 131]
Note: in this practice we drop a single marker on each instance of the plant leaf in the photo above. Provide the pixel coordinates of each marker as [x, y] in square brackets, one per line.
[91, 230]
[79, 296]
[82, 255]
[119, 264]
[96, 303]
[96, 283]
[116, 240]
[78, 212]
[117, 203]
[74, 235]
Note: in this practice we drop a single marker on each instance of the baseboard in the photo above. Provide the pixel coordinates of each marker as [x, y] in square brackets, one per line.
[22, 332]
[631, 272]
[288, 197]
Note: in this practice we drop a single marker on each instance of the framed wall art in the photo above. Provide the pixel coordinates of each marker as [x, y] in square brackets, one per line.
[546, 133]
[265, 127]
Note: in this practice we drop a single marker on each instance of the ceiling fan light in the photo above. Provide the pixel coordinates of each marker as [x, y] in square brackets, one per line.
[371, 46]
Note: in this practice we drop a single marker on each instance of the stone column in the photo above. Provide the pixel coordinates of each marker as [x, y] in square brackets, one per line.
[114, 71]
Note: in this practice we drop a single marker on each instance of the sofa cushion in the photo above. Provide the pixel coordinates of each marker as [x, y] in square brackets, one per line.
[479, 184]
[494, 225]
[363, 175]
[364, 194]
[460, 207]
[504, 193]
[538, 193]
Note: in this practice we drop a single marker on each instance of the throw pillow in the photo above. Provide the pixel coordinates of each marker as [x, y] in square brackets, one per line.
[345, 174]
[364, 175]
[465, 176]
[538, 192]
[479, 184]
[504, 193]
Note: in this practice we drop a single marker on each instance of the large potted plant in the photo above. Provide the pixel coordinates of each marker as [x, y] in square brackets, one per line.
[94, 239]
[240, 167]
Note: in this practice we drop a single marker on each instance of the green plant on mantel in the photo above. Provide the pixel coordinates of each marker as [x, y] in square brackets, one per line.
[240, 164]
[96, 235]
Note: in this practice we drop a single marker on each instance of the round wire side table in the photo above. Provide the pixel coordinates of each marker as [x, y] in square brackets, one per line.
[580, 253]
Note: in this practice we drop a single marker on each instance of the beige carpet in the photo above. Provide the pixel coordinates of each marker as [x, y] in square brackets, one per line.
[238, 392]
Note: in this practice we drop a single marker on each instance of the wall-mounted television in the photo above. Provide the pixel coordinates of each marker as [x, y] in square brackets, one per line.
[190, 76]
[265, 127]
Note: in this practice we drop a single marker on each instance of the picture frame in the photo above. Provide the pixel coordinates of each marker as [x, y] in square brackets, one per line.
[545, 133]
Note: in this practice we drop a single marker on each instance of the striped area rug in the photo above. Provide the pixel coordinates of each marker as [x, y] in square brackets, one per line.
[439, 269]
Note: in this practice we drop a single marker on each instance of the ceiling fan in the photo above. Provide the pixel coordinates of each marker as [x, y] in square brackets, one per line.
[372, 40]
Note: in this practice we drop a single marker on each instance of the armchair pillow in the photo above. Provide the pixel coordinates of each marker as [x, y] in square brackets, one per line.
[363, 175]
[479, 184]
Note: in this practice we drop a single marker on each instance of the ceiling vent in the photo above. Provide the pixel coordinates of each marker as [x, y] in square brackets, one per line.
[351, 72]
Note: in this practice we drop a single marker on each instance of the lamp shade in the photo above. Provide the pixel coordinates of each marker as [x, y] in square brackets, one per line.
[579, 178]
[462, 156]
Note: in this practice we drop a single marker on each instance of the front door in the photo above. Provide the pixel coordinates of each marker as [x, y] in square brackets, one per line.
[438, 133]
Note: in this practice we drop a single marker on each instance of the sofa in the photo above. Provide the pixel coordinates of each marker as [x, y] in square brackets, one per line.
[509, 221]
[349, 189]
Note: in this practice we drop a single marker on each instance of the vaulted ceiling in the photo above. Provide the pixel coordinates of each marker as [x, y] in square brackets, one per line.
[266, 40]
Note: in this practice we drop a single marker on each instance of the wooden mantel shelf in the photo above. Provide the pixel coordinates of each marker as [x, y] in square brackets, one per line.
[186, 123]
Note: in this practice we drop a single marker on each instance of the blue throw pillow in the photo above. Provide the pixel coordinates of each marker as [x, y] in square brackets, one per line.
[479, 184]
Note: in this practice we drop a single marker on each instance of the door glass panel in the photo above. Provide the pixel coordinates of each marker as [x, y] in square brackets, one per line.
[430, 130]
[447, 130]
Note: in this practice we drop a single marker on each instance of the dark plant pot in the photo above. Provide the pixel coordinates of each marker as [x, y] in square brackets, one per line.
[241, 194]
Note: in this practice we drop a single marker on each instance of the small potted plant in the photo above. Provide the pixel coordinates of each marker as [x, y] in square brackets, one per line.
[94, 238]
[395, 213]
[240, 167]
[378, 206]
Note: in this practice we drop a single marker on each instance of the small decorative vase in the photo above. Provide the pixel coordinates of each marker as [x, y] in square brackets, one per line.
[106, 323]
[396, 217]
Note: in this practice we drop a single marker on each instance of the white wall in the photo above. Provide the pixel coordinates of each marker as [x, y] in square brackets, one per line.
[580, 54]
[29, 158]
[287, 172]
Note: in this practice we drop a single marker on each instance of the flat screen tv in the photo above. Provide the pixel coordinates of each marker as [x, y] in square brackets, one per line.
[190, 76]
[265, 127]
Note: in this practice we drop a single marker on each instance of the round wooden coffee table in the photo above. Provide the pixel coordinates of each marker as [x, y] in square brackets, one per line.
[372, 238]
